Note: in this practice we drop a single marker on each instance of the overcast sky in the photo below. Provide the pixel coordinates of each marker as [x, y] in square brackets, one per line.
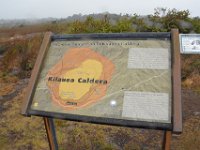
[33, 9]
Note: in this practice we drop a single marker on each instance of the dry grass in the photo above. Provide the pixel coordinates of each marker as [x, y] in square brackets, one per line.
[20, 56]
[190, 138]
[18, 132]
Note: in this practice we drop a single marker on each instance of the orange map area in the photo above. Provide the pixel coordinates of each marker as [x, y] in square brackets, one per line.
[80, 78]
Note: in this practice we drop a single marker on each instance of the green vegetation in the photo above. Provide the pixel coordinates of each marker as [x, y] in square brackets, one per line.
[162, 20]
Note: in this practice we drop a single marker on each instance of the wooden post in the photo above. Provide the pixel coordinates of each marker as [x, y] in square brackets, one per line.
[34, 76]
[51, 134]
[167, 140]
[177, 103]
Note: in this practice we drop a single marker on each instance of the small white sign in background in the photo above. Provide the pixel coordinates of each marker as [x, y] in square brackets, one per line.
[190, 43]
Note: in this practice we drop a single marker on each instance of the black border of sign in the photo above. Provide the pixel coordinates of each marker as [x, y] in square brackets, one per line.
[48, 37]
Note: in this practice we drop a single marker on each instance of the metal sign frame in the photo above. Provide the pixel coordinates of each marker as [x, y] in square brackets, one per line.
[175, 126]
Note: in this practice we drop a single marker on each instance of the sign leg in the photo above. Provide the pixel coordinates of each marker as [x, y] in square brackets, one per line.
[51, 134]
[167, 140]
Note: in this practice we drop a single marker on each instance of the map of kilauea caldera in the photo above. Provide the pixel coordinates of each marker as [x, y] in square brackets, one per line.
[123, 79]
[80, 78]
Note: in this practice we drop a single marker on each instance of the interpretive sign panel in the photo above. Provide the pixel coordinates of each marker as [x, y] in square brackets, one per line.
[190, 43]
[121, 79]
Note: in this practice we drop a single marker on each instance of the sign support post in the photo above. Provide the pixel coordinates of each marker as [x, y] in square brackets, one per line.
[51, 133]
[176, 72]
[167, 140]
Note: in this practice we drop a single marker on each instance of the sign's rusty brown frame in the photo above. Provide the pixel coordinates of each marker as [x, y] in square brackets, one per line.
[175, 126]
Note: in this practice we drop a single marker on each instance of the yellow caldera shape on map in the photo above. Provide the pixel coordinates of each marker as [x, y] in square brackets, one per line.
[89, 69]
[80, 78]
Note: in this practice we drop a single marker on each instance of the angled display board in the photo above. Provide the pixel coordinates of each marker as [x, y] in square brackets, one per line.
[120, 79]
